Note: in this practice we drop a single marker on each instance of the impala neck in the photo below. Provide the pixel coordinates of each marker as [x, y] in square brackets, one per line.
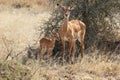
[65, 22]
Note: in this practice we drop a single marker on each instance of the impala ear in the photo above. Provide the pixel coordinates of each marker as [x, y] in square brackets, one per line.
[63, 7]
[72, 7]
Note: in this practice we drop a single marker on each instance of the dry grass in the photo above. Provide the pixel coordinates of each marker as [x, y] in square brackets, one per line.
[92, 67]
[11, 70]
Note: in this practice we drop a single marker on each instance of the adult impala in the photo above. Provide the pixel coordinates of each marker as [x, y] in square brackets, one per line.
[71, 31]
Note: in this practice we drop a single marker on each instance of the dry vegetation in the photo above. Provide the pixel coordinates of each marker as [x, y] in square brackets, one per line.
[92, 67]
[22, 22]
[11, 70]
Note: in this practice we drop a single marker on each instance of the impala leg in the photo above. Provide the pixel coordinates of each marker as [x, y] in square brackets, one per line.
[82, 43]
[40, 52]
[74, 51]
[82, 46]
[63, 50]
[50, 54]
[70, 51]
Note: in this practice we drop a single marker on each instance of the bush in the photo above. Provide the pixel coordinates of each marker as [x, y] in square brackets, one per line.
[98, 15]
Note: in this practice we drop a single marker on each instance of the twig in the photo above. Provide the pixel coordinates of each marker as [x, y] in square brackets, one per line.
[9, 51]
[8, 55]
[19, 53]
[11, 68]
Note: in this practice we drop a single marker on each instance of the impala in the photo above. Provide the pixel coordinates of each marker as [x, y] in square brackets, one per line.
[71, 31]
[48, 44]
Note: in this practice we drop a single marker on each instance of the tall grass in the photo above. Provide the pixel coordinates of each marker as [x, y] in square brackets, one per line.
[94, 66]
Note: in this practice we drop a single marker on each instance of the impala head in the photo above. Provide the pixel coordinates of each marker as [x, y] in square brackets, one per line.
[66, 10]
